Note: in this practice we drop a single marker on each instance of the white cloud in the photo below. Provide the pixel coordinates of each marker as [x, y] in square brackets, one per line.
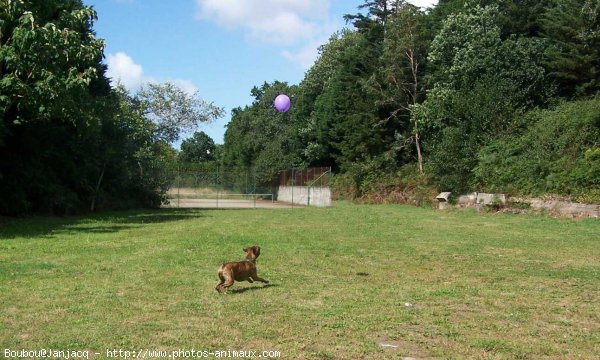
[122, 69]
[272, 21]
[299, 26]
[185, 85]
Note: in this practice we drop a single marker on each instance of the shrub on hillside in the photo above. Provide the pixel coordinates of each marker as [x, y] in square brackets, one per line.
[559, 153]
[380, 186]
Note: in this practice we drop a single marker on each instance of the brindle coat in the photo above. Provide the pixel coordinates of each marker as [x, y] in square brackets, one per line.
[240, 270]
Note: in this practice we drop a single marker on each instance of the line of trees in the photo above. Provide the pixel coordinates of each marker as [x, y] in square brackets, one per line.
[497, 95]
[69, 142]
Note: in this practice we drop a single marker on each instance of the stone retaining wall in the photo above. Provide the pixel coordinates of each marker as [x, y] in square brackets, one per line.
[553, 207]
[563, 208]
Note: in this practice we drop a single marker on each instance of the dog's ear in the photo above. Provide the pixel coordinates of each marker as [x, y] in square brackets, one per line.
[256, 250]
[246, 249]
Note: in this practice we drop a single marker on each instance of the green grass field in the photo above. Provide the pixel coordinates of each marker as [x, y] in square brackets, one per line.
[344, 280]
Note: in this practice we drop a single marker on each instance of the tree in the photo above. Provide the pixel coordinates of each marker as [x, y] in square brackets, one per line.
[49, 57]
[345, 120]
[52, 102]
[313, 128]
[481, 82]
[199, 148]
[260, 137]
[68, 142]
[173, 110]
[130, 161]
[344, 112]
[374, 22]
[399, 82]
[572, 57]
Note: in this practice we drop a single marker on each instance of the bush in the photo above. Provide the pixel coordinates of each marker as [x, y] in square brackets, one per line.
[374, 185]
[559, 153]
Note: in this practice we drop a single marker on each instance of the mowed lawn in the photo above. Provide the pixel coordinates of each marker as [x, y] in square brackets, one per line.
[345, 280]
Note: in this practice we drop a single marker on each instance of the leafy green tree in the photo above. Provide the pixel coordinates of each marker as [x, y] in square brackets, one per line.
[481, 83]
[130, 161]
[49, 57]
[199, 148]
[68, 142]
[259, 136]
[347, 124]
[344, 112]
[173, 110]
[52, 89]
[519, 17]
[373, 23]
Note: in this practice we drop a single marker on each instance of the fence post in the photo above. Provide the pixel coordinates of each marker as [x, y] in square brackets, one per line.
[178, 184]
[308, 187]
[254, 180]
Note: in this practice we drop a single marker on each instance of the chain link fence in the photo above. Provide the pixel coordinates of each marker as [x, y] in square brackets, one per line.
[312, 177]
[208, 185]
[213, 186]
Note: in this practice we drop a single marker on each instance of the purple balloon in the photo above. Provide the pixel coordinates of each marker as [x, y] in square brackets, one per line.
[282, 103]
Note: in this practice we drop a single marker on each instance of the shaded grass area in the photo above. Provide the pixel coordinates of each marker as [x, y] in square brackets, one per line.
[343, 281]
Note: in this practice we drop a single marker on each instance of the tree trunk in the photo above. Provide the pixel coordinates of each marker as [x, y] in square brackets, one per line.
[93, 205]
[419, 155]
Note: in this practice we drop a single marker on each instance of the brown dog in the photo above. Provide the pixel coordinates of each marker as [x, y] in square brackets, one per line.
[240, 270]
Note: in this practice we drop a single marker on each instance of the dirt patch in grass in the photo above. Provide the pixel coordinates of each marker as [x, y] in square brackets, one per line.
[407, 349]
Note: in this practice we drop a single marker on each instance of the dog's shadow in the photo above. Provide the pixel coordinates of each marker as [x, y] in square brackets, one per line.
[251, 288]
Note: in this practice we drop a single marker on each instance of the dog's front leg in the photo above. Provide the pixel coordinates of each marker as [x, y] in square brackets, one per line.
[261, 280]
[255, 277]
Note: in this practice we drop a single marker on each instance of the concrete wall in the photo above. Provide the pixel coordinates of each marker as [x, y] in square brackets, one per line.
[318, 196]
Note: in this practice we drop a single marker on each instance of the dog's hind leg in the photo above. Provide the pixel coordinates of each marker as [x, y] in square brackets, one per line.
[222, 280]
[227, 282]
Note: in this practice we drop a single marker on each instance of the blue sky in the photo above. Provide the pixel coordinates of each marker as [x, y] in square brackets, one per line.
[220, 48]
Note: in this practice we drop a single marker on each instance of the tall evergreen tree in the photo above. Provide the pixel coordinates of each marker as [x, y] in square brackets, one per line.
[572, 60]
[312, 132]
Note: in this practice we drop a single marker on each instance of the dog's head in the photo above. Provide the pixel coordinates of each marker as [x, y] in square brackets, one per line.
[252, 252]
